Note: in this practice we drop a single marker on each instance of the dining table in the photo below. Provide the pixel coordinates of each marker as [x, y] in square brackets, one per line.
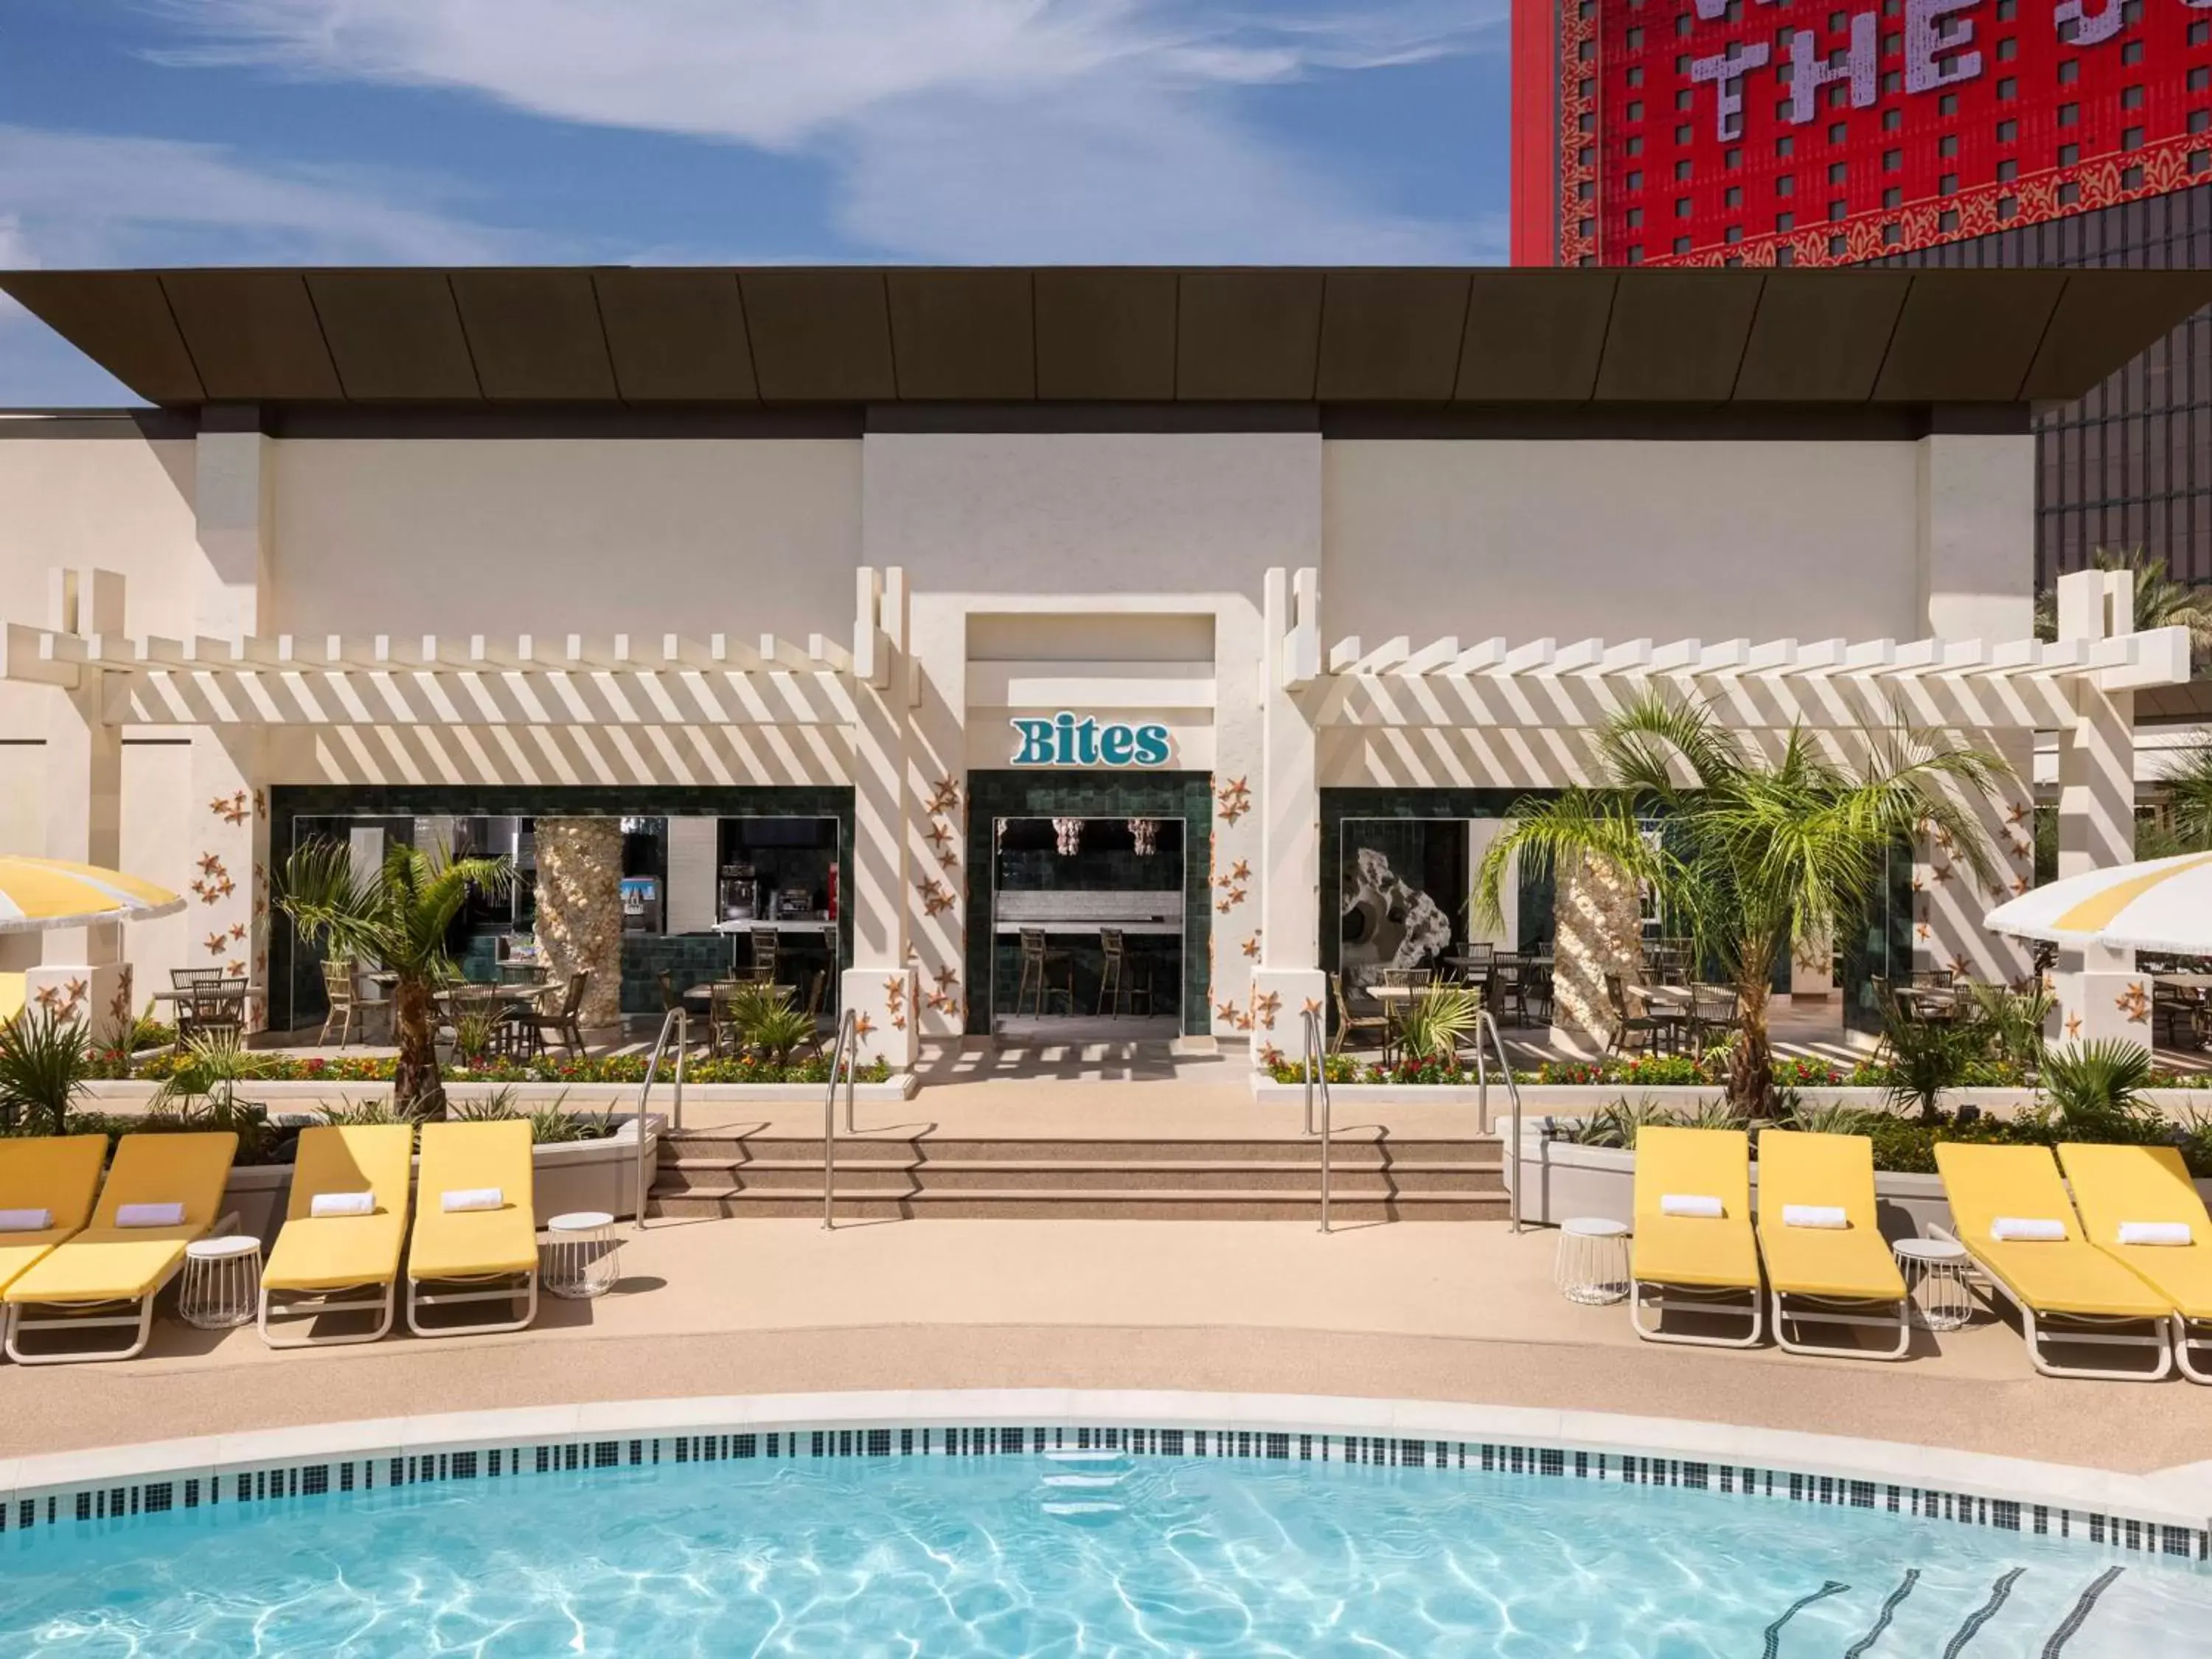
[213, 994]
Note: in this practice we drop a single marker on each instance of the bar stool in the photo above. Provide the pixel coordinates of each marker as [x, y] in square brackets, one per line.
[1115, 980]
[222, 1282]
[766, 942]
[1038, 961]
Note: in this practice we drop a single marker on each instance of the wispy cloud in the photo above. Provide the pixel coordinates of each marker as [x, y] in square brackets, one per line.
[70, 198]
[959, 129]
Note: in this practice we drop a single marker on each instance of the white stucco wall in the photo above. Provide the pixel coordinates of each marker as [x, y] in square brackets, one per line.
[1622, 540]
[567, 536]
[121, 503]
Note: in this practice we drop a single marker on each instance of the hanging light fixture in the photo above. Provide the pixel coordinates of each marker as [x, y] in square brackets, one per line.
[1067, 836]
[1146, 833]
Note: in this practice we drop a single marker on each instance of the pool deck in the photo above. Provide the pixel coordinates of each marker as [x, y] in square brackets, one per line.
[1460, 1312]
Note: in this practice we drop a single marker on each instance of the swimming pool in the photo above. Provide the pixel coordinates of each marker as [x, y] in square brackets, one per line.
[1076, 1552]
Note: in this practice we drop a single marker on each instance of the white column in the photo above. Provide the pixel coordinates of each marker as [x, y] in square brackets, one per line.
[227, 927]
[880, 987]
[80, 971]
[2099, 992]
[1289, 978]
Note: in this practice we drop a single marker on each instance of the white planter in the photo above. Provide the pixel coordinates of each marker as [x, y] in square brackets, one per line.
[1559, 1179]
[576, 1175]
[1574, 1099]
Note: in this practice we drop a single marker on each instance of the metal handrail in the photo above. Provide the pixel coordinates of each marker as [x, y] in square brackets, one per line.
[678, 1020]
[848, 1035]
[1316, 1072]
[1484, 1023]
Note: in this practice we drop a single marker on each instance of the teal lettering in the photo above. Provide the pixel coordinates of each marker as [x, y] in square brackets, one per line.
[1117, 745]
[1152, 745]
[1037, 742]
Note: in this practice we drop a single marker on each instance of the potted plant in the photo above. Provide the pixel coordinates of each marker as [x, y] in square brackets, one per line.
[1755, 855]
[397, 914]
[45, 1061]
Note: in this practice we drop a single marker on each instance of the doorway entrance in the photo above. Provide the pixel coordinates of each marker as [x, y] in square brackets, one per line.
[1087, 920]
[1110, 868]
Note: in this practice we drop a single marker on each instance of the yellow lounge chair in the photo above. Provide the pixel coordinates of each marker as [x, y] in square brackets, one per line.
[2067, 1290]
[59, 1175]
[108, 1267]
[1708, 1265]
[492, 1252]
[1847, 1274]
[2114, 1185]
[317, 1257]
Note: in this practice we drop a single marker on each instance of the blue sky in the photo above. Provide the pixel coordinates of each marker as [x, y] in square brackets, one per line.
[407, 132]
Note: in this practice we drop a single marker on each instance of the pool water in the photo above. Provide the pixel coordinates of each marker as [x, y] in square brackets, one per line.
[1019, 1555]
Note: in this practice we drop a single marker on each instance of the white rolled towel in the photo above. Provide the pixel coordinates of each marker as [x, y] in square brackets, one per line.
[149, 1215]
[325, 1204]
[473, 1198]
[26, 1221]
[1700, 1206]
[1828, 1216]
[2027, 1230]
[2155, 1232]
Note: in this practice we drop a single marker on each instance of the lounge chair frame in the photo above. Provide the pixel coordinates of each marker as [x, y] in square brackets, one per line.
[2094, 1330]
[1659, 1295]
[88, 1316]
[2191, 1334]
[519, 1286]
[308, 1306]
[1863, 1313]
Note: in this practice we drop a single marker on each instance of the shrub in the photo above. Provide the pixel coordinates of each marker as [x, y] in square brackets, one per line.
[45, 1061]
[2097, 1088]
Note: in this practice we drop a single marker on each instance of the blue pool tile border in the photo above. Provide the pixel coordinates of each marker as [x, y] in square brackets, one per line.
[123, 1500]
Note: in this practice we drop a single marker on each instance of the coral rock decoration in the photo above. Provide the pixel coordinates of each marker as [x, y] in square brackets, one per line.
[2135, 1003]
[936, 896]
[1145, 834]
[579, 913]
[944, 796]
[1234, 799]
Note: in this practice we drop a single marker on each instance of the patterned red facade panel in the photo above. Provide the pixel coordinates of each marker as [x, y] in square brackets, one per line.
[1835, 131]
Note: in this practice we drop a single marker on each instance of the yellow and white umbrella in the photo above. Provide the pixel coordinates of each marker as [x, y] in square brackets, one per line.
[2161, 904]
[36, 894]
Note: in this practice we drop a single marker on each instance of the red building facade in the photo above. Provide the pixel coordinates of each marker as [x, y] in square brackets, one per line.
[1841, 132]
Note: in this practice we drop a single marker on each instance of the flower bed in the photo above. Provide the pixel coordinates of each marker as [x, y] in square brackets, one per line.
[1669, 1071]
[607, 1068]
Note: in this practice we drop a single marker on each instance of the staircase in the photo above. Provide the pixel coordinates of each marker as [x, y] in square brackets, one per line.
[729, 1173]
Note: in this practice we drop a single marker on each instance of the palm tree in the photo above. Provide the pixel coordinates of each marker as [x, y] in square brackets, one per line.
[2160, 601]
[2187, 827]
[1755, 856]
[397, 916]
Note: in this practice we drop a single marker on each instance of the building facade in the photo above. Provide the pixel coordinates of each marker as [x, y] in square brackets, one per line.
[934, 625]
[1913, 131]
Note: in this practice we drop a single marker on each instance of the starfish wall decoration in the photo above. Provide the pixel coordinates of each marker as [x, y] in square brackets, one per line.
[1251, 947]
[939, 836]
[936, 896]
[944, 796]
[2073, 1025]
[862, 1025]
[2135, 1003]
[48, 996]
[1265, 1006]
[217, 943]
[1234, 799]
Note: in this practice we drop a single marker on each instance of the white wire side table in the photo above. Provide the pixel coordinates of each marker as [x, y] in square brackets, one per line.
[222, 1282]
[1935, 1271]
[1591, 1266]
[582, 1255]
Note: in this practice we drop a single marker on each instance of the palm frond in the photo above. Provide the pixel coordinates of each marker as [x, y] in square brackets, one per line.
[1575, 824]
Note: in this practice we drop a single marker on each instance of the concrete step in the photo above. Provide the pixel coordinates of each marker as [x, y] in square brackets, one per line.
[1297, 1151]
[1085, 1204]
[858, 1175]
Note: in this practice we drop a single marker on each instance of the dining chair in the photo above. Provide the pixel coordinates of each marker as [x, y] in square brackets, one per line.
[562, 1022]
[1634, 1024]
[1716, 1014]
[1348, 1024]
[342, 995]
